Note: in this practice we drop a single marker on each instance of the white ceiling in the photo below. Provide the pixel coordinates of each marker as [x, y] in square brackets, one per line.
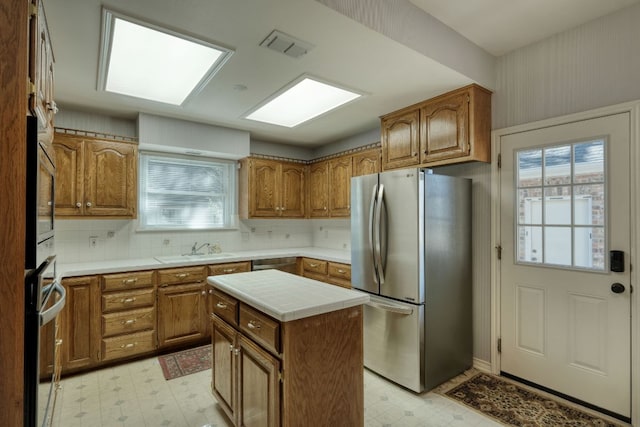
[500, 26]
[346, 52]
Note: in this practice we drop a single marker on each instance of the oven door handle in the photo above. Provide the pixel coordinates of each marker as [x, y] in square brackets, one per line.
[50, 313]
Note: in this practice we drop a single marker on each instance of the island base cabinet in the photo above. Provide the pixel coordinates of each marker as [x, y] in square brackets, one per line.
[322, 361]
[317, 378]
[223, 384]
[245, 378]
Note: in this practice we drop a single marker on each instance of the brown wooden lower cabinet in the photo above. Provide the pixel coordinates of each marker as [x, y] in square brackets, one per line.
[79, 323]
[310, 374]
[245, 378]
[331, 272]
[182, 316]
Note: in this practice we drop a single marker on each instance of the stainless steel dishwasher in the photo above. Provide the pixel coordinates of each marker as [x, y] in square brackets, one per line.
[287, 264]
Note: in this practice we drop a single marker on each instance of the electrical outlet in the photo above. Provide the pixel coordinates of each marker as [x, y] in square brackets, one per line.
[111, 234]
[93, 241]
[166, 242]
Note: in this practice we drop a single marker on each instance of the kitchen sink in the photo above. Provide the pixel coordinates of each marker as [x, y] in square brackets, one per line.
[194, 258]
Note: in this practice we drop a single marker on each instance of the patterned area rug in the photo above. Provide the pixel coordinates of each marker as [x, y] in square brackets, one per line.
[516, 406]
[176, 365]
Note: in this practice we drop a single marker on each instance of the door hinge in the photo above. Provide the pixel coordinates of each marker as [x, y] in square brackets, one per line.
[33, 9]
[499, 161]
[499, 251]
[630, 289]
[499, 345]
[281, 376]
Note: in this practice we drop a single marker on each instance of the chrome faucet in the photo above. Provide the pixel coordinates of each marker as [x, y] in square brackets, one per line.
[194, 249]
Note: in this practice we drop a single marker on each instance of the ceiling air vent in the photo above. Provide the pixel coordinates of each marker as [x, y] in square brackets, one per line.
[284, 43]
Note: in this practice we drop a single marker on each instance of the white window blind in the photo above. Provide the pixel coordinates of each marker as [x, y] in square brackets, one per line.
[178, 192]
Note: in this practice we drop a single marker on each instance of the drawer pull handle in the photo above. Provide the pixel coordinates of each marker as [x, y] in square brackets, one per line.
[253, 324]
[210, 291]
[129, 281]
[182, 275]
[221, 305]
[129, 345]
[58, 342]
[228, 270]
[128, 322]
[128, 300]
[341, 271]
[236, 351]
[313, 265]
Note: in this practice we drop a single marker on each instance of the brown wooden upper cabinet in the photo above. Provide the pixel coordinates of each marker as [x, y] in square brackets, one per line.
[330, 182]
[95, 177]
[41, 71]
[451, 128]
[272, 189]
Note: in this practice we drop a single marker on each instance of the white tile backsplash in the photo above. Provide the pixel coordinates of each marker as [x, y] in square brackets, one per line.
[119, 239]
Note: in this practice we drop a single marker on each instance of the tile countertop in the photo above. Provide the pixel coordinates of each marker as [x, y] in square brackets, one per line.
[135, 264]
[285, 296]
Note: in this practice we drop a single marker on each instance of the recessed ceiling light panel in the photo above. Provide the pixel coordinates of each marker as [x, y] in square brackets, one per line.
[145, 61]
[300, 101]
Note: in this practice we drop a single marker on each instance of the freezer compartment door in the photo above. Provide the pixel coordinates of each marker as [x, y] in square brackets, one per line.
[393, 344]
[363, 269]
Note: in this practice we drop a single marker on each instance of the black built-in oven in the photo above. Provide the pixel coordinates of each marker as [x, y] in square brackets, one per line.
[44, 296]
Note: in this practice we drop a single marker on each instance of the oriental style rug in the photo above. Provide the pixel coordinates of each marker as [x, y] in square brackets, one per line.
[186, 362]
[514, 405]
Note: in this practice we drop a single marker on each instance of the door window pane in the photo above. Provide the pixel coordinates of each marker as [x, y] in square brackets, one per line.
[557, 165]
[589, 164]
[530, 244]
[529, 168]
[561, 205]
[556, 240]
[530, 206]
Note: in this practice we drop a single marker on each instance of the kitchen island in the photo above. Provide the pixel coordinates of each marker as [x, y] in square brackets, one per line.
[287, 350]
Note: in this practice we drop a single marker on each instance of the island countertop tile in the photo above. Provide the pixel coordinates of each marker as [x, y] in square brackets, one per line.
[285, 296]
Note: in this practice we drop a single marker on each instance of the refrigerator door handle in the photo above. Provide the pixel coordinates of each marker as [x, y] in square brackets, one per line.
[372, 236]
[390, 308]
[377, 227]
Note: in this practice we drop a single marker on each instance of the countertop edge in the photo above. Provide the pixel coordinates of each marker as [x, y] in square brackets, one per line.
[118, 266]
[351, 298]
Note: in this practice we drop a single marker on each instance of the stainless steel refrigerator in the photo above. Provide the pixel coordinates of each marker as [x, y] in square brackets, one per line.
[411, 251]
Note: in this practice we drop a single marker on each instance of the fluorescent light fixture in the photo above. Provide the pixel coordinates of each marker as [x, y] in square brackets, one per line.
[146, 61]
[302, 100]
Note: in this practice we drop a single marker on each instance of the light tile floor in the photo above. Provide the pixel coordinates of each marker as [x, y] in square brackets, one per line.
[136, 394]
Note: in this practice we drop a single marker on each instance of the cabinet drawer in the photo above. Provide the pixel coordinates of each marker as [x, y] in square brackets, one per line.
[181, 275]
[229, 268]
[261, 328]
[225, 306]
[121, 281]
[314, 265]
[127, 300]
[340, 271]
[128, 321]
[128, 345]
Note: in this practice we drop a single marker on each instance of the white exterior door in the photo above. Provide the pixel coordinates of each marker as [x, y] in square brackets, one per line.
[564, 206]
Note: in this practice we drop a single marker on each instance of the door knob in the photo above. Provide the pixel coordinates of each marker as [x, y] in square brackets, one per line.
[617, 288]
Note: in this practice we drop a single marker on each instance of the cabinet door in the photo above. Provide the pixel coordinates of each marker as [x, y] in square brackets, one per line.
[258, 386]
[366, 162]
[319, 190]
[224, 378]
[41, 69]
[80, 323]
[399, 137]
[111, 178]
[340, 186]
[264, 188]
[292, 199]
[69, 153]
[445, 128]
[182, 314]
